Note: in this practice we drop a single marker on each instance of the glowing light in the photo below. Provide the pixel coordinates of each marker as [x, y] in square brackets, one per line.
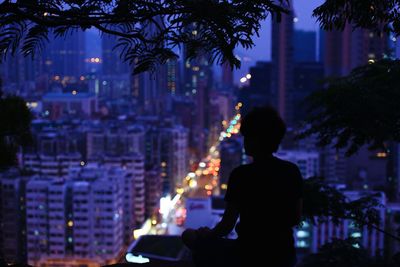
[136, 259]
[192, 174]
[153, 222]
[163, 164]
[82, 163]
[70, 223]
[97, 60]
[198, 172]
[74, 92]
[192, 184]
[356, 235]
[202, 164]
[56, 77]
[209, 193]
[180, 191]
[82, 78]
[243, 80]
[208, 187]
[371, 61]
[295, 20]
[381, 155]
[46, 14]
[224, 186]
[302, 234]
[194, 32]
[32, 105]
[240, 104]
[248, 76]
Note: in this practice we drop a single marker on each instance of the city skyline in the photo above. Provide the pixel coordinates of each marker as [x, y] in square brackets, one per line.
[117, 163]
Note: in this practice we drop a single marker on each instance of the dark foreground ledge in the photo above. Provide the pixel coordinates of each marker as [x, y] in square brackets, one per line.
[156, 263]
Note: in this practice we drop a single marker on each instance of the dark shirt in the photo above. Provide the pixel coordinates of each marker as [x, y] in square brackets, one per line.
[266, 194]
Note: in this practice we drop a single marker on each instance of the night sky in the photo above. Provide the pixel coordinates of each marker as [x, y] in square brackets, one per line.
[262, 51]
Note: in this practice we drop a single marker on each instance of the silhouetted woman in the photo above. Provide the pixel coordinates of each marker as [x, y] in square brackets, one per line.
[267, 197]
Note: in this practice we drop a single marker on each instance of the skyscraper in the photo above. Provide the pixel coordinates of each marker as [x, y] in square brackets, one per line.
[174, 156]
[112, 63]
[349, 49]
[259, 92]
[66, 56]
[307, 78]
[282, 61]
[304, 46]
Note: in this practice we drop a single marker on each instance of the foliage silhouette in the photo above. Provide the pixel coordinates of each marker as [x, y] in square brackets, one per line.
[359, 109]
[15, 122]
[148, 31]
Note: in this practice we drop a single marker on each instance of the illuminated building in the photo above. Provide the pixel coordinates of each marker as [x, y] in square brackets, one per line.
[76, 218]
[74, 104]
[153, 184]
[310, 238]
[392, 226]
[259, 91]
[174, 156]
[348, 49]
[308, 162]
[282, 61]
[51, 165]
[114, 140]
[112, 64]
[231, 157]
[197, 86]
[66, 56]
[12, 216]
[135, 188]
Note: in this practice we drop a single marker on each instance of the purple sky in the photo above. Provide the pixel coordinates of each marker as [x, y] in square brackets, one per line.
[262, 50]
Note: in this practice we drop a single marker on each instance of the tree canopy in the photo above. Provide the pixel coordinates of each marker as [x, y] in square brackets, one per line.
[148, 31]
[359, 109]
[379, 15]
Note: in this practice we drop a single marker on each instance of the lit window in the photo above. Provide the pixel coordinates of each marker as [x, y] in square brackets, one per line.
[356, 235]
[302, 234]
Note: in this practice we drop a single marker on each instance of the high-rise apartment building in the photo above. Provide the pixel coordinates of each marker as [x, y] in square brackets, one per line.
[115, 140]
[52, 166]
[12, 216]
[78, 219]
[173, 156]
